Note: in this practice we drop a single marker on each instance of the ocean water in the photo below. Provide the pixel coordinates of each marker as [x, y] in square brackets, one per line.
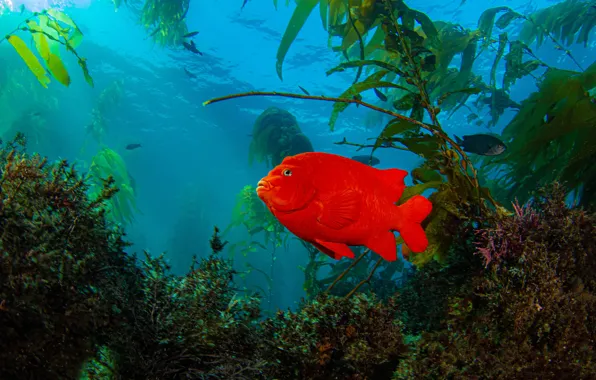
[197, 155]
[193, 159]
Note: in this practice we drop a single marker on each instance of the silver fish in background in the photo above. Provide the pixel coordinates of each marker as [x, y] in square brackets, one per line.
[367, 160]
[482, 144]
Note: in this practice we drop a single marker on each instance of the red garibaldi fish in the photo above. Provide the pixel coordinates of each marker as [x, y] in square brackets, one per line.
[334, 202]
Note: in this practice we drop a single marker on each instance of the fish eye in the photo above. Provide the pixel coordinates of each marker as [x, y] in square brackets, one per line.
[287, 172]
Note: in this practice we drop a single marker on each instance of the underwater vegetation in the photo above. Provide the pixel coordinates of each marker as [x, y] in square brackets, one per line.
[109, 164]
[58, 259]
[522, 303]
[50, 29]
[505, 289]
[275, 135]
[529, 314]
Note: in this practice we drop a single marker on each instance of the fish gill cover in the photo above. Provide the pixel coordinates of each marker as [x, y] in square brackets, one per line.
[505, 289]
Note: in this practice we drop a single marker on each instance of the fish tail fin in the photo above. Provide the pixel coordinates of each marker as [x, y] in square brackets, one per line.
[458, 139]
[408, 222]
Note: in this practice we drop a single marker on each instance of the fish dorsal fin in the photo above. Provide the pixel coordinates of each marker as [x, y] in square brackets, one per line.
[394, 181]
[340, 210]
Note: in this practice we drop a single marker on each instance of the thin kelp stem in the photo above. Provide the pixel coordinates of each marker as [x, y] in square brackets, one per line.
[556, 42]
[366, 280]
[347, 270]
[429, 128]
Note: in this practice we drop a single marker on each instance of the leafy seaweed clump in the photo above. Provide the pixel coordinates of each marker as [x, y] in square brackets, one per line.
[276, 134]
[180, 327]
[333, 338]
[532, 313]
[551, 138]
[58, 261]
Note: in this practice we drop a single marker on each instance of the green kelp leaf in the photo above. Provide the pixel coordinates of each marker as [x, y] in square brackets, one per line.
[498, 56]
[367, 62]
[424, 175]
[323, 7]
[514, 67]
[428, 27]
[468, 91]
[371, 82]
[410, 191]
[507, 18]
[375, 42]
[361, 25]
[299, 17]
[30, 59]
[406, 102]
[394, 127]
[487, 20]
[423, 145]
[83, 64]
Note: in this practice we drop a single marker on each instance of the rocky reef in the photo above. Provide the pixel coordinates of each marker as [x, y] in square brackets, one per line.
[514, 299]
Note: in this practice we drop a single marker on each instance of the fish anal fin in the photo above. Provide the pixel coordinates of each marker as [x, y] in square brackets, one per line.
[394, 182]
[383, 245]
[333, 250]
[340, 210]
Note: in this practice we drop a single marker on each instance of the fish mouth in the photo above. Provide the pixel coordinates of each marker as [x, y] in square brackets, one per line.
[263, 186]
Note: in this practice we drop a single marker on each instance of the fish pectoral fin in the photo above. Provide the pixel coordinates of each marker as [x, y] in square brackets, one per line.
[333, 250]
[383, 245]
[340, 210]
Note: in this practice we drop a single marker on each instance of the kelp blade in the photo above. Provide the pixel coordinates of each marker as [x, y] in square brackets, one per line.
[30, 59]
[299, 17]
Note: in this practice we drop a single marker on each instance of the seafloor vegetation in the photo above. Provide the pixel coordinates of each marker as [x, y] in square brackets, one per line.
[504, 291]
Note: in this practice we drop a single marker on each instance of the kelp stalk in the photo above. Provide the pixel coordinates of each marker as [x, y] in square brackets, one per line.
[352, 265]
[366, 280]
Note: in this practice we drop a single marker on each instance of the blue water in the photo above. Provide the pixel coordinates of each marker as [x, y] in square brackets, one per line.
[193, 161]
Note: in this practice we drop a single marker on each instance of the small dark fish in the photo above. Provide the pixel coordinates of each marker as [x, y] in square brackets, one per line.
[367, 160]
[482, 144]
[243, 4]
[133, 146]
[380, 95]
[190, 75]
[304, 90]
[191, 47]
[191, 34]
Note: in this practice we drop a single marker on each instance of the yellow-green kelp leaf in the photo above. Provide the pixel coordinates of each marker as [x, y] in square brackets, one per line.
[30, 59]
[53, 62]
[58, 69]
[299, 17]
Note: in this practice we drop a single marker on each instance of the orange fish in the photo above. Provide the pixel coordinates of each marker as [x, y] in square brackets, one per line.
[333, 202]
